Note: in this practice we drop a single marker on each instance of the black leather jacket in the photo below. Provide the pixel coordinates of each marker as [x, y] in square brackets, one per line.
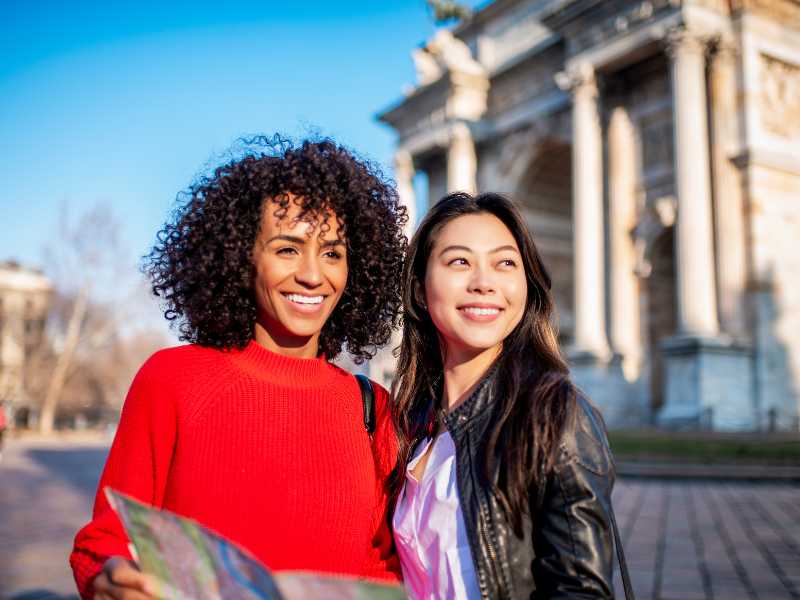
[567, 552]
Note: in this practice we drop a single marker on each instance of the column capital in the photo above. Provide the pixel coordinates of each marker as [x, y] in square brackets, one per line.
[460, 131]
[578, 78]
[680, 41]
[724, 49]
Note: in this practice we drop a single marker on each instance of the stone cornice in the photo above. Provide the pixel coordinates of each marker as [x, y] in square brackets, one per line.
[395, 113]
[563, 12]
[626, 49]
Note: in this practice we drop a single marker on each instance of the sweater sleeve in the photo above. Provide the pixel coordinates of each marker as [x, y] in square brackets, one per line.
[137, 465]
[383, 562]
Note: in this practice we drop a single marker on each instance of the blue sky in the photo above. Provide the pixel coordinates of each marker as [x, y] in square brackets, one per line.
[125, 102]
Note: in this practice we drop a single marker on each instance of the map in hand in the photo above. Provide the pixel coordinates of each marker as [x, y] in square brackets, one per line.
[191, 562]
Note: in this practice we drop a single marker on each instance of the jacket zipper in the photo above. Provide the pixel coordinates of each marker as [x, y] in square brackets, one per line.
[491, 549]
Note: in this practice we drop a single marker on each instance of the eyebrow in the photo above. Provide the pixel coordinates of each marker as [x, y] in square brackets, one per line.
[466, 249]
[301, 240]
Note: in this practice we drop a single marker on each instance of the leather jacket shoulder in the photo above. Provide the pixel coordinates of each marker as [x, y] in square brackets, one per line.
[566, 549]
[573, 541]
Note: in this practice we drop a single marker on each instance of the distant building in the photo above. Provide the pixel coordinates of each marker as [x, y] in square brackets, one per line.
[655, 148]
[25, 296]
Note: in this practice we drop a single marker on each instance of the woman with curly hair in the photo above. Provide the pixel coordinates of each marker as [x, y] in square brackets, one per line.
[271, 266]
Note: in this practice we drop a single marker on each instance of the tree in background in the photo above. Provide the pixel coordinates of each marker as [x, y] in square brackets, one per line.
[99, 329]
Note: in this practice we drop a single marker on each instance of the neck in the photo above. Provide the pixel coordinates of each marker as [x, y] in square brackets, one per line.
[287, 345]
[462, 372]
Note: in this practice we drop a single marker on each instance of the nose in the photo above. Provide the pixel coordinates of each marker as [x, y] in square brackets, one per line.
[481, 281]
[309, 271]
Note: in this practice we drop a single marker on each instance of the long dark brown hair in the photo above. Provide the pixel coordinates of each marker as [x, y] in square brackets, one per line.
[534, 396]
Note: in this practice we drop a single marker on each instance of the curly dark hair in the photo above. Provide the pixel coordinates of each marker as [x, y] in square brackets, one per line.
[202, 268]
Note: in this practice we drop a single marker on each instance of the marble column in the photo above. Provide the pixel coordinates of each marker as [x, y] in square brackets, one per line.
[462, 162]
[623, 283]
[404, 177]
[587, 214]
[728, 191]
[697, 304]
[708, 380]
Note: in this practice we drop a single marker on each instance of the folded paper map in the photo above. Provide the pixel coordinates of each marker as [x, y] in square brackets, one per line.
[190, 562]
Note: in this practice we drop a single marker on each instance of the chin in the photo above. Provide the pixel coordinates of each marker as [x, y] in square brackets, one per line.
[477, 344]
[304, 332]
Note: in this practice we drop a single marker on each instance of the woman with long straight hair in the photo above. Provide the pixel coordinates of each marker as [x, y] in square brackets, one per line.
[503, 485]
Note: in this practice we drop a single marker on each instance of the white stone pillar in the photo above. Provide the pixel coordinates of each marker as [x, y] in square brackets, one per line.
[404, 177]
[729, 218]
[587, 213]
[623, 283]
[462, 163]
[697, 305]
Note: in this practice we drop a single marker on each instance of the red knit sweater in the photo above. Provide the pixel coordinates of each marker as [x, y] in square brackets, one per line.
[269, 451]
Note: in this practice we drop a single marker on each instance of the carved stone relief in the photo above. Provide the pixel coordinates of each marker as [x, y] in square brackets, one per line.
[786, 12]
[779, 101]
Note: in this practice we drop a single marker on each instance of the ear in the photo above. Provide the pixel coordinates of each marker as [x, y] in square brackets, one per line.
[419, 295]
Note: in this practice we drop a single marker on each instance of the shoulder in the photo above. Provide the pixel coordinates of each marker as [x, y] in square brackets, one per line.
[179, 358]
[346, 379]
[382, 397]
[585, 439]
[177, 367]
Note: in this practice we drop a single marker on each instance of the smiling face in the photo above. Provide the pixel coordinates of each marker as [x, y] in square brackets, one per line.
[475, 285]
[301, 273]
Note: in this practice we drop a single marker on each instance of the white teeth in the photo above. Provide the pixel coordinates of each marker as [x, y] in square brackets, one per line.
[300, 299]
[481, 311]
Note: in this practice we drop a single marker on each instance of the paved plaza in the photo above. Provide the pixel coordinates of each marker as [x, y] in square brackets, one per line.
[688, 541]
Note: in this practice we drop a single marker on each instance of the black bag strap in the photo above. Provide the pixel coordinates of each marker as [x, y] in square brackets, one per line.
[623, 567]
[368, 399]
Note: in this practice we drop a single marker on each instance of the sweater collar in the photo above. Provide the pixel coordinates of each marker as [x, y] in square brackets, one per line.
[288, 370]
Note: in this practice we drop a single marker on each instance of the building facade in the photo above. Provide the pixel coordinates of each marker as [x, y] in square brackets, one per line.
[25, 298]
[655, 149]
